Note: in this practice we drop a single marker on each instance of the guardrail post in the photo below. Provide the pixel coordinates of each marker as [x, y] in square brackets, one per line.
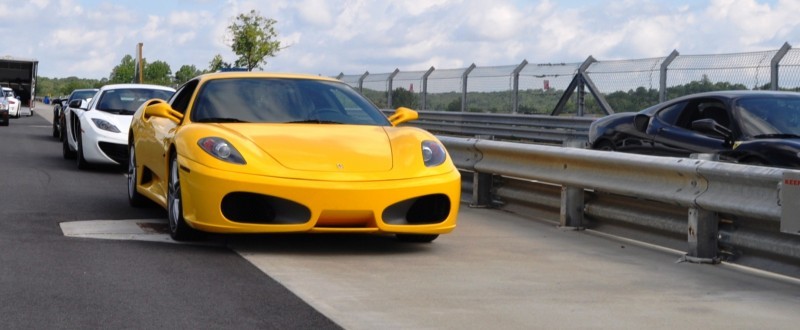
[482, 184]
[482, 189]
[703, 236]
[572, 204]
[703, 229]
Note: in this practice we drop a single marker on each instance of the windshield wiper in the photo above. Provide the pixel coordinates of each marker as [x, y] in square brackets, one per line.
[220, 120]
[314, 121]
[777, 136]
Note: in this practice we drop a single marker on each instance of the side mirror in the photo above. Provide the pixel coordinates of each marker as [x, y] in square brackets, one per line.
[161, 109]
[641, 122]
[79, 104]
[402, 115]
[74, 104]
[710, 126]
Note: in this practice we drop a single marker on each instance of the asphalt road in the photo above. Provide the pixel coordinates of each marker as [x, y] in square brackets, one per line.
[495, 271]
[49, 281]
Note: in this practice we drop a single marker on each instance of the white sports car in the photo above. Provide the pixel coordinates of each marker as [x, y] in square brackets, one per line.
[97, 129]
[13, 102]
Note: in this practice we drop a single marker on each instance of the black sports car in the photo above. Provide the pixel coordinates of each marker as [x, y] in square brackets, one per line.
[749, 127]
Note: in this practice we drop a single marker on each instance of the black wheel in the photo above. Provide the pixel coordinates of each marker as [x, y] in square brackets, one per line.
[604, 145]
[134, 197]
[82, 164]
[178, 228]
[416, 238]
[55, 125]
[65, 151]
[62, 128]
[753, 161]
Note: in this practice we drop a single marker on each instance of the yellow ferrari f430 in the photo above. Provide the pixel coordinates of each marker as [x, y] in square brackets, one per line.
[253, 152]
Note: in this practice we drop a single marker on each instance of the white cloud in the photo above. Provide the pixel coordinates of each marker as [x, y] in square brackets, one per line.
[88, 37]
[315, 12]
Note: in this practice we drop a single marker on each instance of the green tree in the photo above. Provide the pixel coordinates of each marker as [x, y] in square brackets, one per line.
[217, 63]
[123, 73]
[185, 73]
[158, 73]
[403, 98]
[253, 39]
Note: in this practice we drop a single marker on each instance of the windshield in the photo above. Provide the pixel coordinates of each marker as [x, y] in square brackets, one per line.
[82, 95]
[769, 116]
[283, 100]
[126, 100]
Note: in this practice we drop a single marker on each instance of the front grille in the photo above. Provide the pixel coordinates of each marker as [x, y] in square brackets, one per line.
[117, 152]
[421, 210]
[263, 209]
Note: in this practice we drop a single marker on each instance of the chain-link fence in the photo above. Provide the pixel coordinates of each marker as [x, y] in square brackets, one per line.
[548, 88]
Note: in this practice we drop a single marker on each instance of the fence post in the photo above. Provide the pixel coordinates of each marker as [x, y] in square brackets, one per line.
[425, 88]
[773, 67]
[662, 81]
[464, 87]
[515, 75]
[389, 86]
[582, 85]
[361, 82]
[340, 76]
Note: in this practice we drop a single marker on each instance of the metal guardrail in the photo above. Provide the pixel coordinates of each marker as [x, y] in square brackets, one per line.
[723, 210]
[558, 130]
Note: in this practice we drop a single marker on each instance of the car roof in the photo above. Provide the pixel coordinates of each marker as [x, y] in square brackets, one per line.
[84, 89]
[250, 74]
[136, 86]
[731, 94]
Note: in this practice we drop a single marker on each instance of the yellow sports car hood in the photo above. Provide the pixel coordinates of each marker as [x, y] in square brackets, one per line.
[335, 148]
[316, 151]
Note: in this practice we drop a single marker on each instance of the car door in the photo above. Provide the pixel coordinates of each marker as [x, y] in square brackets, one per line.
[155, 138]
[673, 133]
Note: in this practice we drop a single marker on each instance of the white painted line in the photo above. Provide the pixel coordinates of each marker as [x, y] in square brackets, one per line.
[151, 230]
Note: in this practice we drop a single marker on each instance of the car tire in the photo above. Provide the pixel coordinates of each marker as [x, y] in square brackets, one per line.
[755, 161]
[416, 238]
[62, 127]
[179, 230]
[65, 151]
[134, 197]
[604, 145]
[80, 160]
[55, 130]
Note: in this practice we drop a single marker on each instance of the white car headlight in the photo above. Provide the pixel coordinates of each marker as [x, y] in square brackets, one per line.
[221, 149]
[433, 153]
[105, 125]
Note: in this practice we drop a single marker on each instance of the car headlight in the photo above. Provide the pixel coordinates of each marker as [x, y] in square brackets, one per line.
[433, 153]
[221, 149]
[105, 125]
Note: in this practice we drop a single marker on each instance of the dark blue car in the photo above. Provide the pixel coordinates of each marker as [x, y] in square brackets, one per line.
[749, 127]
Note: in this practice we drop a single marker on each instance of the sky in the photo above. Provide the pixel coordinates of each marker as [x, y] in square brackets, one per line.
[88, 38]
